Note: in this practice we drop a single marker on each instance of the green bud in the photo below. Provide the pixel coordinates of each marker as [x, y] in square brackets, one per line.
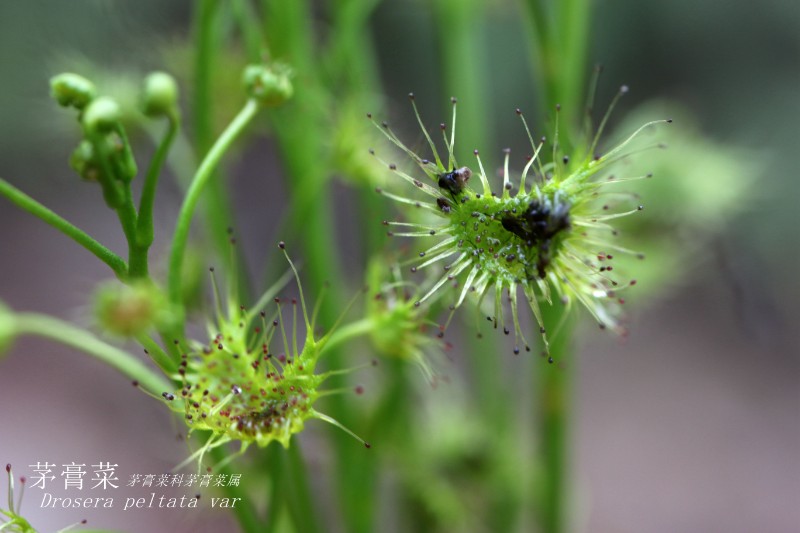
[7, 329]
[159, 95]
[129, 310]
[270, 85]
[83, 161]
[102, 115]
[120, 156]
[72, 90]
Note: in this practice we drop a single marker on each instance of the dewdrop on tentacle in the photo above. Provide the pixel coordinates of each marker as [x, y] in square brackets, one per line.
[550, 239]
[254, 381]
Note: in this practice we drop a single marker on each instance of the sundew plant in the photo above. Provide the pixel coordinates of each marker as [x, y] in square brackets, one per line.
[387, 318]
[550, 239]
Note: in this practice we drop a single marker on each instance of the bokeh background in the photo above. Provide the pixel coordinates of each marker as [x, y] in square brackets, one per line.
[692, 424]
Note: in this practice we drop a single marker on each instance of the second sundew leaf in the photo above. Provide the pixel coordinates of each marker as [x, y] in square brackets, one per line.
[253, 381]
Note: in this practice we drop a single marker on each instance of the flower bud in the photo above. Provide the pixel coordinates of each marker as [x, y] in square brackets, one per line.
[159, 95]
[120, 156]
[130, 310]
[102, 115]
[270, 85]
[83, 161]
[72, 90]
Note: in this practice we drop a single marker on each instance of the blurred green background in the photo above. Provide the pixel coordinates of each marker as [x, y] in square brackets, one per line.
[693, 424]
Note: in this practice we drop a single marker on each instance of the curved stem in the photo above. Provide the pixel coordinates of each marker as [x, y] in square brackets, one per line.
[144, 224]
[140, 233]
[70, 335]
[200, 180]
[22, 200]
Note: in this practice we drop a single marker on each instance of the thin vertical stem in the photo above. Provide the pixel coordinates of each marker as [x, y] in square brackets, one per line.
[298, 494]
[463, 65]
[555, 410]
[561, 33]
[216, 205]
[202, 104]
[244, 510]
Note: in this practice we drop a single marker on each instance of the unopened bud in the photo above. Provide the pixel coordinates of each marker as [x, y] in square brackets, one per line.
[129, 310]
[72, 90]
[83, 161]
[159, 95]
[270, 85]
[102, 115]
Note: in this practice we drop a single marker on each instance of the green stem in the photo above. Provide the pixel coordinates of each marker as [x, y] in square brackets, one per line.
[216, 205]
[22, 200]
[463, 66]
[272, 462]
[202, 102]
[390, 419]
[115, 181]
[554, 403]
[70, 335]
[144, 225]
[298, 494]
[562, 35]
[492, 405]
[244, 510]
[199, 181]
[575, 30]
[543, 53]
[301, 130]
[248, 23]
[137, 255]
[166, 363]
[347, 332]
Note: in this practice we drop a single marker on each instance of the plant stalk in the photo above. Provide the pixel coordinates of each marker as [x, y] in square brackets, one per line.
[200, 180]
[70, 335]
[25, 202]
